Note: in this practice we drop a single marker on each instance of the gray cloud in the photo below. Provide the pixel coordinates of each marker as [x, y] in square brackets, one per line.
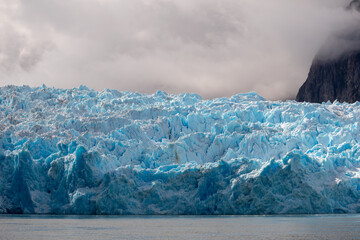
[215, 48]
[345, 39]
[355, 5]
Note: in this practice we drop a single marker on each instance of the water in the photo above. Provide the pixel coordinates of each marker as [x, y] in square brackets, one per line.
[180, 227]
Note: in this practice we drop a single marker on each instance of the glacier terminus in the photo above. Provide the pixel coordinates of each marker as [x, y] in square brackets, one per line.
[81, 151]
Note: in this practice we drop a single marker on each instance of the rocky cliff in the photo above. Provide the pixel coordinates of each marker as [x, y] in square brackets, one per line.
[330, 80]
[335, 71]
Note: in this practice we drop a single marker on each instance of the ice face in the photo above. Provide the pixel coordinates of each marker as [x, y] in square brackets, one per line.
[79, 151]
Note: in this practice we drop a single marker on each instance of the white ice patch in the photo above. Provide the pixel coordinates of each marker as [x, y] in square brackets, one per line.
[120, 152]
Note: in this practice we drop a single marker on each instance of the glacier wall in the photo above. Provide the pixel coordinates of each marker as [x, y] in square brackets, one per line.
[79, 151]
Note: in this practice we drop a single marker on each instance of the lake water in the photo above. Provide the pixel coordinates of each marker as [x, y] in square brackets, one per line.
[180, 227]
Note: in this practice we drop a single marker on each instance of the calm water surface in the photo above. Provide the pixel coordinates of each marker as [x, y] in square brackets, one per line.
[180, 227]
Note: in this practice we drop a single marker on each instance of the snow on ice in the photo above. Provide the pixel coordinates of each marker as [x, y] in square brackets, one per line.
[79, 151]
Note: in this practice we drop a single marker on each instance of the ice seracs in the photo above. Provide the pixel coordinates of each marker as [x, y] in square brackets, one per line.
[79, 151]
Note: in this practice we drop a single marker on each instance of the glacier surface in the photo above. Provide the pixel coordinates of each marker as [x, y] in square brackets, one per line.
[79, 151]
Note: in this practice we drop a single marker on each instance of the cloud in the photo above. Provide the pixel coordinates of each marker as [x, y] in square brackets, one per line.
[345, 39]
[355, 5]
[215, 48]
[19, 49]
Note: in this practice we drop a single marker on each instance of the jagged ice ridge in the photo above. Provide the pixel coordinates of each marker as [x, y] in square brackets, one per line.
[79, 151]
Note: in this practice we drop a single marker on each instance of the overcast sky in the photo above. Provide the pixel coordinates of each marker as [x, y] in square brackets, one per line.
[212, 47]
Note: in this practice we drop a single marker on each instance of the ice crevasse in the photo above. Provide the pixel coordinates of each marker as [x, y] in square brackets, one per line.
[80, 151]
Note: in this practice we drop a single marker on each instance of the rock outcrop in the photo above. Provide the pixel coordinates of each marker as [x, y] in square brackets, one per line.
[335, 71]
[330, 80]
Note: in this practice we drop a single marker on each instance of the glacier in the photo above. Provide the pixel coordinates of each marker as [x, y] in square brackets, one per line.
[81, 151]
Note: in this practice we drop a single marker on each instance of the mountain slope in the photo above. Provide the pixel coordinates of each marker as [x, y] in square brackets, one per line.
[335, 71]
[334, 79]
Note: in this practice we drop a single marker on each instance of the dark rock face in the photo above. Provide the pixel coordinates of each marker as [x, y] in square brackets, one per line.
[330, 80]
[335, 71]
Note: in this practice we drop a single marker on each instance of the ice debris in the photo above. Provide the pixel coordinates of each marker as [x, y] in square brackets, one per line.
[79, 151]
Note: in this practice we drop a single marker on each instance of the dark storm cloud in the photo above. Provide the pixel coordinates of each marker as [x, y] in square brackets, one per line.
[215, 48]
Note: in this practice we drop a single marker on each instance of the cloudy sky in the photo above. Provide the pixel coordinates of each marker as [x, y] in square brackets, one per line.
[212, 47]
